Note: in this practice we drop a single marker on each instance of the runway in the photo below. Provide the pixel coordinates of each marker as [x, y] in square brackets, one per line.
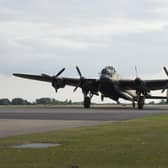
[93, 114]
[23, 120]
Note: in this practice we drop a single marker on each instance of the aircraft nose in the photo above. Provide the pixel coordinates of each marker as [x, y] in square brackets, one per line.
[104, 77]
[105, 80]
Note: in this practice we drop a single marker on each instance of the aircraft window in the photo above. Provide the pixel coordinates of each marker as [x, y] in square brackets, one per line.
[109, 71]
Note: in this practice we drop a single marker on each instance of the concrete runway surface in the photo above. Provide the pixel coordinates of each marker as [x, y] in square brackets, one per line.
[23, 120]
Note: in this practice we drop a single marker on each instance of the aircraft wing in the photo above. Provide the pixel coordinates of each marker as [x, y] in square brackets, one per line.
[155, 97]
[89, 84]
[148, 84]
[44, 78]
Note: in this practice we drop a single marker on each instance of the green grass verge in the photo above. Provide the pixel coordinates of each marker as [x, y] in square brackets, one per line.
[141, 143]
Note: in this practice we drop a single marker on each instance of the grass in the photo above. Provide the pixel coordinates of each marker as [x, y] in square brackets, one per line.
[141, 143]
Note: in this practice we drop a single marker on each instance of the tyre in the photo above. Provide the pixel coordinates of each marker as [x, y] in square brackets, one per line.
[87, 102]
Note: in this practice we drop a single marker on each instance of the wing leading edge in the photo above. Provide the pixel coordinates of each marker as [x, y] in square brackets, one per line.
[123, 84]
[149, 84]
[92, 84]
[43, 78]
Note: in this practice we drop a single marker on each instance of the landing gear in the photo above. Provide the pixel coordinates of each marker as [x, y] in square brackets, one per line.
[102, 97]
[133, 104]
[141, 102]
[167, 96]
[87, 102]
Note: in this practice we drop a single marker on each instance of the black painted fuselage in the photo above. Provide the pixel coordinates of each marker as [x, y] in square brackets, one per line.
[109, 85]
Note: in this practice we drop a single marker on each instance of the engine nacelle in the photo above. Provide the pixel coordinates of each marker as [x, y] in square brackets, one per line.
[58, 83]
[141, 87]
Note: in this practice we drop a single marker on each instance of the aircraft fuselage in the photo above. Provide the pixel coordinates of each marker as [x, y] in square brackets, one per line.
[109, 85]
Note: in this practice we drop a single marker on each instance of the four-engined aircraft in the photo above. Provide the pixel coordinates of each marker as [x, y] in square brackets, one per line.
[108, 85]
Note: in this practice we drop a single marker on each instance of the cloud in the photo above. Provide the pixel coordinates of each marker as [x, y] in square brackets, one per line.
[43, 36]
[75, 24]
[27, 35]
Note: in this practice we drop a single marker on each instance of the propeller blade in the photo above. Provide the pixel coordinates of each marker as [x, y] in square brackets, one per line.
[136, 71]
[163, 90]
[79, 72]
[75, 89]
[166, 87]
[81, 80]
[166, 71]
[60, 72]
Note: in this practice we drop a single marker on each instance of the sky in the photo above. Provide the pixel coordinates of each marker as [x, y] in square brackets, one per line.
[43, 36]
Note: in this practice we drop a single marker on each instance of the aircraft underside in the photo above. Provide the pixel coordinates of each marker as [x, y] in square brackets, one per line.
[139, 101]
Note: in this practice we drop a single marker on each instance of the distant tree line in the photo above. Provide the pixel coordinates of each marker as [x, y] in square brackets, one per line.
[52, 101]
[49, 101]
[15, 101]
[163, 102]
[41, 101]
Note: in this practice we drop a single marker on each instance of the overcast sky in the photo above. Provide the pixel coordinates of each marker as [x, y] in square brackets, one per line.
[43, 36]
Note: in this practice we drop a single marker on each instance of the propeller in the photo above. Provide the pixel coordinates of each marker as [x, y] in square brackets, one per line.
[136, 71]
[166, 72]
[79, 72]
[60, 72]
[138, 81]
[56, 76]
[81, 79]
[140, 84]
[58, 82]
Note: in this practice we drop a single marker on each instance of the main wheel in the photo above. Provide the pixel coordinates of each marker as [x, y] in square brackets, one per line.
[141, 102]
[87, 102]
[133, 104]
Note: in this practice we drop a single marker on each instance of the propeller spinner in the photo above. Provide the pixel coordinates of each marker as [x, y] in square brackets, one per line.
[56, 82]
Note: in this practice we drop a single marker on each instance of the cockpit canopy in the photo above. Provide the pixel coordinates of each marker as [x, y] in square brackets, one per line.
[109, 70]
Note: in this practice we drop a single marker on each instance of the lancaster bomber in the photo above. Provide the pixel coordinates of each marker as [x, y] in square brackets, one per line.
[108, 85]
